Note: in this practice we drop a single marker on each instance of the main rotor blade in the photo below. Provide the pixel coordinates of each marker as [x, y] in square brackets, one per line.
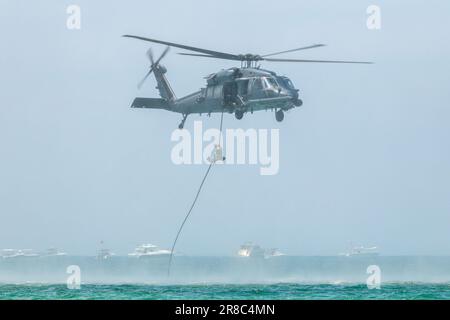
[217, 54]
[200, 55]
[292, 50]
[320, 61]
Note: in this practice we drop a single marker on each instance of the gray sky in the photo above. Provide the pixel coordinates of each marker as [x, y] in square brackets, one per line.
[366, 159]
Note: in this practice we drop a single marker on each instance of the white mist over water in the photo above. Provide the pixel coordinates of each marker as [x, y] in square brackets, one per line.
[227, 270]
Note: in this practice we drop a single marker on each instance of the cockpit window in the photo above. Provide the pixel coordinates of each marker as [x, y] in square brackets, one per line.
[286, 82]
[271, 83]
[257, 84]
[289, 83]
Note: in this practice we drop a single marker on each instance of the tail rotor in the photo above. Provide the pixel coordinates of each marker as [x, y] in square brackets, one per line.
[153, 65]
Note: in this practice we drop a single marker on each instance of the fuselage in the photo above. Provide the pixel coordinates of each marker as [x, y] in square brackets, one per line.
[242, 90]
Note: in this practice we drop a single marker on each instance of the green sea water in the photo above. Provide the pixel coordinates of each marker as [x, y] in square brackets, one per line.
[227, 291]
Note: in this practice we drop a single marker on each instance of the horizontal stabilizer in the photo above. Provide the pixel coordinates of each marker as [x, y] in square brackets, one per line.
[152, 103]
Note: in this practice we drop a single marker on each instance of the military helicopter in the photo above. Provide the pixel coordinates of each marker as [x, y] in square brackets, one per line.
[236, 90]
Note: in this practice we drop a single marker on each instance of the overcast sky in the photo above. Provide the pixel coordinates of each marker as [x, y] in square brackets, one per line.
[365, 159]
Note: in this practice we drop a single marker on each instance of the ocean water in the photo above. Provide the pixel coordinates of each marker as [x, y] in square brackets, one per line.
[226, 278]
[286, 291]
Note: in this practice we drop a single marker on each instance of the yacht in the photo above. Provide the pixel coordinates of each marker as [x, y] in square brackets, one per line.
[104, 254]
[362, 251]
[250, 250]
[10, 253]
[18, 253]
[270, 253]
[148, 250]
[54, 252]
[255, 251]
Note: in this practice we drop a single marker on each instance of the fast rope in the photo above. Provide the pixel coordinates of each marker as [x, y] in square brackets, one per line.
[195, 199]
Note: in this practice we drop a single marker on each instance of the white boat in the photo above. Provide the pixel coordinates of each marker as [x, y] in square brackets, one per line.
[250, 250]
[362, 251]
[54, 252]
[29, 253]
[10, 253]
[148, 250]
[104, 254]
[271, 253]
[18, 253]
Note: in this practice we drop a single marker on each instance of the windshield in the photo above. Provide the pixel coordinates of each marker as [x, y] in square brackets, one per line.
[289, 83]
[286, 82]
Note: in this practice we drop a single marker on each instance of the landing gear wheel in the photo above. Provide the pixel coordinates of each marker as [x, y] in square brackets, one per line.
[239, 114]
[279, 115]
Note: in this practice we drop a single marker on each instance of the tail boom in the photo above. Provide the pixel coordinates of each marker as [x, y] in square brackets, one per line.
[163, 85]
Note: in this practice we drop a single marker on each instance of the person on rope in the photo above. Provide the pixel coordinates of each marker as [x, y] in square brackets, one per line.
[216, 154]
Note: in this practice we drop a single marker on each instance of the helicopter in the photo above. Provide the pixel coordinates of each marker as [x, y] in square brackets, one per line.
[237, 90]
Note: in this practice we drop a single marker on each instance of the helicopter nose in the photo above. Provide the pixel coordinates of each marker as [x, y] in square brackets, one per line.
[297, 102]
